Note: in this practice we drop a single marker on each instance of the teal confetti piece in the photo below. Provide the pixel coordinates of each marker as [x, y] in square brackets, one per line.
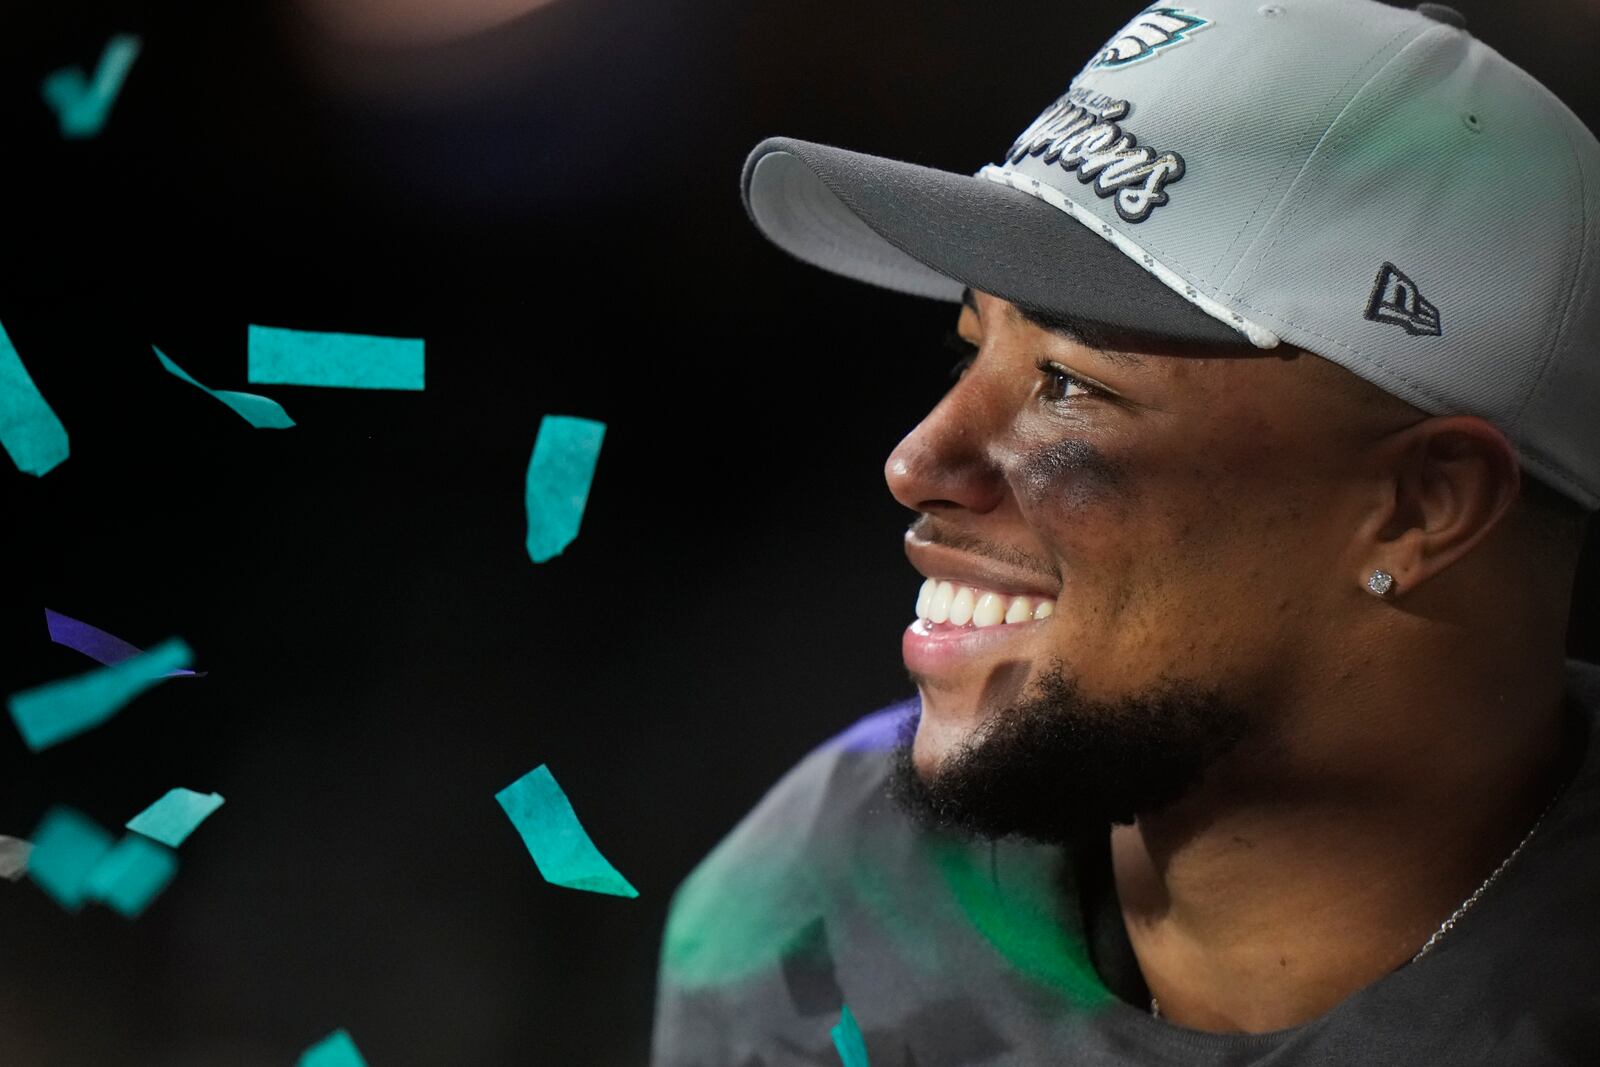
[559, 475]
[53, 712]
[174, 817]
[29, 429]
[67, 847]
[335, 1050]
[131, 875]
[258, 411]
[338, 360]
[847, 1039]
[555, 838]
[81, 106]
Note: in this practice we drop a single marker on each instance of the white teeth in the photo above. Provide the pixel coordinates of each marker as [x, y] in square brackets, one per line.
[991, 610]
[961, 607]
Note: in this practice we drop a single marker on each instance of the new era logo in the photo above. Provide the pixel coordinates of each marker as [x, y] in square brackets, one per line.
[1395, 299]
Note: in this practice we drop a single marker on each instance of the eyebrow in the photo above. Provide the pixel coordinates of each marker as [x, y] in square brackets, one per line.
[1079, 331]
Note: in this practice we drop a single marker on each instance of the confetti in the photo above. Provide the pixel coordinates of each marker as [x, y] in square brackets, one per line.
[29, 429]
[67, 846]
[131, 875]
[13, 857]
[848, 1040]
[555, 838]
[559, 475]
[880, 731]
[335, 1050]
[82, 107]
[53, 712]
[95, 642]
[339, 360]
[258, 411]
[175, 816]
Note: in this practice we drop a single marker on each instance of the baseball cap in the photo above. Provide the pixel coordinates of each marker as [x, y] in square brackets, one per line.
[1369, 183]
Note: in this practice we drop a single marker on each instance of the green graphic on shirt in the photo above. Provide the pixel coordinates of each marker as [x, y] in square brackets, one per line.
[1024, 919]
[828, 865]
[747, 905]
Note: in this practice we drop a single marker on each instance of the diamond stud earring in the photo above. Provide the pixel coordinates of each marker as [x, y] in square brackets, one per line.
[1379, 582]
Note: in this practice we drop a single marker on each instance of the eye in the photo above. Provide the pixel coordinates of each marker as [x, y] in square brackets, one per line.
[1061, 384]
[965, 351]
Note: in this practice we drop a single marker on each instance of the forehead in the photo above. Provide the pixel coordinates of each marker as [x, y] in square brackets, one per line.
[1174, 375]
[1118, 346]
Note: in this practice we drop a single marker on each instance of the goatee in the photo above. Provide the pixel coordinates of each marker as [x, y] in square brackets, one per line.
[1059, 765]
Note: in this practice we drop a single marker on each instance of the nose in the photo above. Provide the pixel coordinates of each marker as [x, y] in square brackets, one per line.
[946, 463]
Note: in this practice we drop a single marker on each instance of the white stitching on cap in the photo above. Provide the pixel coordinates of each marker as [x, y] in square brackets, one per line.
[1259, 335]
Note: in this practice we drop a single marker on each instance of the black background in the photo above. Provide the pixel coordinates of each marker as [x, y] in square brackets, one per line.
[553, 206]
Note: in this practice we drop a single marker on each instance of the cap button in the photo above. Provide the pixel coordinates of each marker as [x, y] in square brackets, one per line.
[1443, 13]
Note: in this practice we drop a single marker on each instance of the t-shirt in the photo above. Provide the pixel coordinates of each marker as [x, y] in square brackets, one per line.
[953, 952]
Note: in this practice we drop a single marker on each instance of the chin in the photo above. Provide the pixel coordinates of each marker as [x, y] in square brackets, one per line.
[934, 743]
[956, 708]
[1058, 764]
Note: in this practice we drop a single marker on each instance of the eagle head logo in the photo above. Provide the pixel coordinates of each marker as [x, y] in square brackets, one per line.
[1151, 30]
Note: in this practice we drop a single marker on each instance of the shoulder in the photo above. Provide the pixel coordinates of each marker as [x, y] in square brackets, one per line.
[763, 885]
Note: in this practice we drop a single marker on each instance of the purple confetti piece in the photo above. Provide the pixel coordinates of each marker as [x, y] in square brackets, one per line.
[880, 731]
[96, 643]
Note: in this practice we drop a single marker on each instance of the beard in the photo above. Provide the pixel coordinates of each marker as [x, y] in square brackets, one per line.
[1058, 765]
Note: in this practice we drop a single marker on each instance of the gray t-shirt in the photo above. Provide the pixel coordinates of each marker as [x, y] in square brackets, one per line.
[951, 952]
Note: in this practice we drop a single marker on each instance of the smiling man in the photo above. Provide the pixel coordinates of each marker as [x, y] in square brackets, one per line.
[1244, 732]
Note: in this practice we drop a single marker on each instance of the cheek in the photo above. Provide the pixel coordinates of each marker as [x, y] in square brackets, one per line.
[1066, 478]
[1166, 560]
[1086, 505]
[1083, 502]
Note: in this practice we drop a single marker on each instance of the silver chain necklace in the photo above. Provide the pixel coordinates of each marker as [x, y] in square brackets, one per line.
[1465, 906]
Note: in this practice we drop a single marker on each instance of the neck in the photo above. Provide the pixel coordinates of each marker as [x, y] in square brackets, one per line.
[1256, 905]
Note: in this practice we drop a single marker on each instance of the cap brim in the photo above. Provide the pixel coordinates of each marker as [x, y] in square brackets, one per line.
[932, 233]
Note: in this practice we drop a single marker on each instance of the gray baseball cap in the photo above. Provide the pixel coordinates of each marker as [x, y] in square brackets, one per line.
[1366, 182]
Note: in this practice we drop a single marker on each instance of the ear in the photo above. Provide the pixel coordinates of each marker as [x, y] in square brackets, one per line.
[1444, 484]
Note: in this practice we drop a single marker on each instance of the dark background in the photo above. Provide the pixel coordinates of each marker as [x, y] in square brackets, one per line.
[553, 206]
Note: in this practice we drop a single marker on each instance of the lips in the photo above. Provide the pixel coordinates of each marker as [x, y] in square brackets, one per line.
[985, 573]
[970, 608]
[959, 624]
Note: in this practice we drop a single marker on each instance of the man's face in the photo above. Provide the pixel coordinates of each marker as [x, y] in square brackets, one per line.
[1162, 528]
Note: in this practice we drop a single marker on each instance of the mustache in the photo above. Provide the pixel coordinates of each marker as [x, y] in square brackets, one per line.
[939, 531]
